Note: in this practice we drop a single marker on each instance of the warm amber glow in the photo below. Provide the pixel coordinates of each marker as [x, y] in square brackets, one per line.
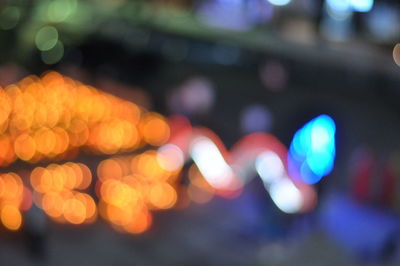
[12, 198]
[155, 129]
[25, 147]
[52, 116]
[11, 217]
[86, 177]
[132, 185]
[56, 186]
[141, 222]
[74, 211]
[162, 196]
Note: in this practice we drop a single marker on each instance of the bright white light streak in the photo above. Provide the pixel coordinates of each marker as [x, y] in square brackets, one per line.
[170, 157]
[211, 163]
[286, 196]
[269, 167]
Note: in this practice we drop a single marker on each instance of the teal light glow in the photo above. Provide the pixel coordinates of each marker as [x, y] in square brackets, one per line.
[312, 151]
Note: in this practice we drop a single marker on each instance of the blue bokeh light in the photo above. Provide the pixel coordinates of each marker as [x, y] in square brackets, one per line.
[312, 151]
[362, 5]
[350, 5]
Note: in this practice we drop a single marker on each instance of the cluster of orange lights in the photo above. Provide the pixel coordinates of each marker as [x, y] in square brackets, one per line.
[56, 192]
[52, 117]
[130, 187]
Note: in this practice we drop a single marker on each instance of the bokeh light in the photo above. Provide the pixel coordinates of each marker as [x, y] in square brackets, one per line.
[312, 151]
[57, 188]
[53, 117]
[129, 187]
[396, 54]
[12, 197]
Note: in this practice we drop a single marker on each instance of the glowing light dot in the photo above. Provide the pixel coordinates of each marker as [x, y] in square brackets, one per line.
[25, 147]
[74, 211]
[46, 38]
[170, 157]
[11, 217]
[54, 54]
[312, 151]
[155, 129]
[362, 5]
[396, 54]
[279, 2]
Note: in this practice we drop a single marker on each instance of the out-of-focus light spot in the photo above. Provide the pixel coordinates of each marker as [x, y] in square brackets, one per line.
[130, 186]
[141, 222]
[286, 195]
[52, 204]
[279, 2]
[255, 118]
[382, 23]
[59, 10]
[108, 169]
[225, 14]
[339, 5]
[396, 54]
[155, 129]
[270, 167]
[211, 163]
[27, 200]
[362, 5]
[74, 211]
[336, 26]
[274, 76]
[195, 96]
[162, 196]
[11, 217]
[341, 9]
[170, 157]
[25, 147]
[9, 17]
[54, 54]
[55, 187]
[46, 38]
[312, 151]
[86, 176]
